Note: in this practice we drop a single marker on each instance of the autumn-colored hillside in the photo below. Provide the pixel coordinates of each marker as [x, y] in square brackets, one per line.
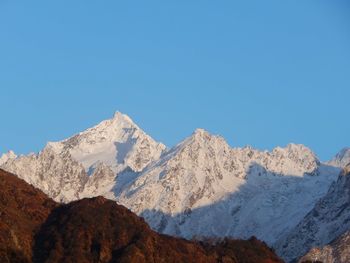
[33, 228]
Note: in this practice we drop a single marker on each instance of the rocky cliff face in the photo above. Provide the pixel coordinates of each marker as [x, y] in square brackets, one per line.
[33, 228]
[56, 174]
[338, 251]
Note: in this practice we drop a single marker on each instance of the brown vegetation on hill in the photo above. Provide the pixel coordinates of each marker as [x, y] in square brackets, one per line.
[23, 209]
[33, 228]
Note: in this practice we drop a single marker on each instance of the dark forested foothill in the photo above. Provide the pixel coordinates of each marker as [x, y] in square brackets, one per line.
[33, 228]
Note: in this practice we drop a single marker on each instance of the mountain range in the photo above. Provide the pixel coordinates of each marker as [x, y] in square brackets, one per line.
[199, 188]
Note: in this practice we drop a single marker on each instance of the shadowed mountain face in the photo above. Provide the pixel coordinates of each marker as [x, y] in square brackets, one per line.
[329, 219]
[33, 228]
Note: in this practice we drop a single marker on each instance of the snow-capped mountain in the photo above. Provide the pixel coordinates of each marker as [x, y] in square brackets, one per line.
[200, 187]
[326, 221]
[230, 191]
[119, 143]
[63, 170]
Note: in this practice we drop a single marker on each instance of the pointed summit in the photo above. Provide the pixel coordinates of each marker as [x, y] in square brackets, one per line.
[118, 116]
[117, 142]
[201, 133]
[342, 158]
[296, 151]
[11, 154]
[202, 139]
[7, 156]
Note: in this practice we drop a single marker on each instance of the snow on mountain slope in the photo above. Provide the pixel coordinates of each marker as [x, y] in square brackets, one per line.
[7, 156]
[202, 187]
[118, 142]
[341, 159]
[56, 174]
[87, 164]
[326, 221]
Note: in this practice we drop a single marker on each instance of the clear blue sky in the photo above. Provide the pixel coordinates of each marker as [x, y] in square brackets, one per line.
[263, 73]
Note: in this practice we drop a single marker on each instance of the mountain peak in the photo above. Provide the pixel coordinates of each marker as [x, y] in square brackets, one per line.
[200, 133]
[342, 158]
[204, 138]
[296, 146]
[118, 142]
[295, 149]
[344, 153]
[122, 117]
[6, 156]
[11, 154]
[118, 122]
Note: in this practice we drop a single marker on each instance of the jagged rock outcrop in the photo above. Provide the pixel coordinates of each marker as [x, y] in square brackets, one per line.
[7, 156]
[338, 251]
[56, 174]
[100, 182]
